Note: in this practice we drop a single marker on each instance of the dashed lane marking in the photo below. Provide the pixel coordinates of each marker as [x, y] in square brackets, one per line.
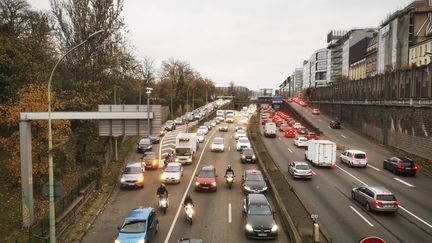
[373, 167]
[361, 216]
[403, 182]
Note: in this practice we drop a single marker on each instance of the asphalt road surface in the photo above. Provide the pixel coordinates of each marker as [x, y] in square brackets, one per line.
[328, 193]
[218, 215]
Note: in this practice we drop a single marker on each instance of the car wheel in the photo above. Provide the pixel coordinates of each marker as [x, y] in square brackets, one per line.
[368, 208]
[350, 164]
[157, 227]
[384, 165]
[353, 196]
[394, 170]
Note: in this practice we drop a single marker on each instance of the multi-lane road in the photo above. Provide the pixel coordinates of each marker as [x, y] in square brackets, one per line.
[328, 193]
[218, 215]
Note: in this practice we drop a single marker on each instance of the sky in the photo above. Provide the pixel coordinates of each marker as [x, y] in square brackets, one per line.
[254, 43]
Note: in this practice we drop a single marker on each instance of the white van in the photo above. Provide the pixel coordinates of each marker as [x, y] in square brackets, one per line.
[270, 130]
[354, 158]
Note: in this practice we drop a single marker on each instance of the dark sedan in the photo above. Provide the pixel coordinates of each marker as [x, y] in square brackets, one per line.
[401, 165]
[260, 222]
[248, 155]
[170, 125]
[253, 182]
[150, 161]
[335, 125]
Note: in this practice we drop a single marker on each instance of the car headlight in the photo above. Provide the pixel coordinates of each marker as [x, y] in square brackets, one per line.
[122, 180]
[176, 177]
[116, 241]
[213, 183]
[274, 228]
[189, 160]
[141, 241]
[162, 177]
[247, 188]
[177, 159]
[197, 183]
[264, 188]
[253, 156]
[155, 162]
[243, 156]
[249, 227]
[141, 179]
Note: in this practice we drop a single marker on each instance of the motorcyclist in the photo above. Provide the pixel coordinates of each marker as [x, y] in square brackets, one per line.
[188, 200]
[229, 170]
[162, 191]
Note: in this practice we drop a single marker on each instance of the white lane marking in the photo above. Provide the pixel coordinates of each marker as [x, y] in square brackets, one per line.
[373, 167]
[361, 216]
[314, 173]
[404, 209]
[351, 175]
[290, 150]
[229, 212]
[343, 136]
[279, 138]
[231, 136]
[403, 182]
[415, 216]
[329, 127]
[229, 148]
[170, 144]
[184, 195]
[170, 139]
[319, 119]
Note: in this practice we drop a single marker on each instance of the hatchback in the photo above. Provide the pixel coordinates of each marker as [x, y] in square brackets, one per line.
[354, 158]
[299, 169]
[375, 198]
[300, 142]
[205, 180]
[401, 165]
[140, 225]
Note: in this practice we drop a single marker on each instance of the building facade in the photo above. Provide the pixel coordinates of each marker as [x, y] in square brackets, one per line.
[371, 56]
[297, 78]
[306, 83]
[315, 70]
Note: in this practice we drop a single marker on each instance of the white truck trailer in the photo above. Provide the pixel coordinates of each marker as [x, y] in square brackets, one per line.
[186, 147]
[321, 153]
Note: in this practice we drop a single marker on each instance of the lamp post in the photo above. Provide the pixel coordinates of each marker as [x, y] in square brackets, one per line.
[52, 235]
[148, 92]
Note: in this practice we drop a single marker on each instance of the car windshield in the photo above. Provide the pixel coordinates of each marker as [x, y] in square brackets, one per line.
[302, 167]
[218, 141]
[303, 139]
[145, 141]
[259, 210]
[247, 152]
[132, 170]
[150, 157]
[406, 163]
[241, 132]
[360, 156]
[133, 226]
[169, 123]
[202, 128]
[243, 140]
[172, 168]
[206, 174]
[386, 197]
[254, 177]
[183, 151]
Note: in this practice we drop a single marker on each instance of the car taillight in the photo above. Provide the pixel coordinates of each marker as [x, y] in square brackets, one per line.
[415, 167]
[396, 203]
[377, 203]
[400, 166]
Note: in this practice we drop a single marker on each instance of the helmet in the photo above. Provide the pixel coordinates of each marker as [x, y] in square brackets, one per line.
[162, 184]
[229, 166]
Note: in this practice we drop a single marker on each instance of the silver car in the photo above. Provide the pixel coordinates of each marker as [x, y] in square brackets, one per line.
[375, 198]
[133, 175]
[201, 137]
[223, 127]
[217, 144]
[300, 169]
[172, 173]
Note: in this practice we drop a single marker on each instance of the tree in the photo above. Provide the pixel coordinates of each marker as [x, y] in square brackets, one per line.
[31, 98]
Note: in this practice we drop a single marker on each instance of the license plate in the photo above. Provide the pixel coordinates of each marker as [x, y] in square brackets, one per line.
[262, 234]
[204, 187]
[408, 168]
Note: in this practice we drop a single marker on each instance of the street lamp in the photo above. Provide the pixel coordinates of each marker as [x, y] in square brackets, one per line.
[148, 92]
[52, 235]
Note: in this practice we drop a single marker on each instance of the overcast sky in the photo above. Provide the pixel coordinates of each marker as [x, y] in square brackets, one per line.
[255, 43]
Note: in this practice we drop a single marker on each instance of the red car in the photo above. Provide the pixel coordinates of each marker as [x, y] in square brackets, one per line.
[316, 111]
[312, 136]
[206, 179]
[290, 133]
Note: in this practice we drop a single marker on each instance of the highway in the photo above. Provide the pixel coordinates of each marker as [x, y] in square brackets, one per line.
[328, 193]
[218, 215]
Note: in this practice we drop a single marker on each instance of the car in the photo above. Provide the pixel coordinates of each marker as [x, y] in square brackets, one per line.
[223, 127]
[290, 133]
[213, 123]
[179, 121]
[300, 141]
[144, 145]
[217, 144]
[203, 129]
[283, 126]
[150, 161]
[253, 182]
[140, 225]
[172, 173]
[205, 180]
[208, 125]
[240, 133]
[243, 142]
[247, 155]
[302, 130]
[312, 136]
[239, 127]
[133, 175]
[170, 125]
[401, 165]
[244, 120]
[296, 125]
[354, 158]
[200, 137]
[300, 169]
[154, 138]
[335, 124]
[259, 217]
[316, 111]
[375, 198]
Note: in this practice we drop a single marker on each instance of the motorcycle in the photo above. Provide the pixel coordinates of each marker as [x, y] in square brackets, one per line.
[229, 178]
[189, 212]
[163, 203]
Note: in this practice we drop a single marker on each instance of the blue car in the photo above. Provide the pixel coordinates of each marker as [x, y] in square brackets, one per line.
[140, 226]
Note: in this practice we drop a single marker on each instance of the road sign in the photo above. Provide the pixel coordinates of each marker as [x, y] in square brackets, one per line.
[371, 239]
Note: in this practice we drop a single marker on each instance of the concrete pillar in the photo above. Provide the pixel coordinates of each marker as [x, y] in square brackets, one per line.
[26, 173]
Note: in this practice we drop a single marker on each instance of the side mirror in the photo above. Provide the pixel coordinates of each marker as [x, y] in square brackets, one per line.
[118, 228]
[217, 175]
[196, 175]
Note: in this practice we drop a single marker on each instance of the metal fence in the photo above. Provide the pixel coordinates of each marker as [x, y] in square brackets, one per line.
[402, 85]
[39, 232]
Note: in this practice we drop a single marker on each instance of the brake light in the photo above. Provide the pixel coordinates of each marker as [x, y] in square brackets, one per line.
[377, 203]
[415, 166]
[400, 166]
[396, 203]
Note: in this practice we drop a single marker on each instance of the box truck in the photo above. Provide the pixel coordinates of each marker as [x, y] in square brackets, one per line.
[321, 152]
[186, 147]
